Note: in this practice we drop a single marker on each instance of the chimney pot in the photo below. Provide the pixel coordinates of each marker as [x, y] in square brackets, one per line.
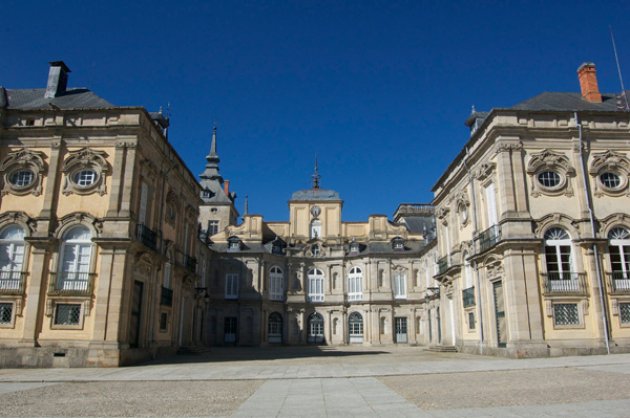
[57, 79]
[588, 83]
[226, 187]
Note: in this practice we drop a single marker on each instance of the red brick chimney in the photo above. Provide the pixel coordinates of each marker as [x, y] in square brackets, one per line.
[588, 83]
[226, 187]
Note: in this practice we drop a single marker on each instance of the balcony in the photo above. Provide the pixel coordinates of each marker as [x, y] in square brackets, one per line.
[190, 263]
[443, 265]
[619, 282]
[70, 283]
[468, 297]
[565, 283]
[166, 299]
[11, 283]
[146, 236]
[488, 238]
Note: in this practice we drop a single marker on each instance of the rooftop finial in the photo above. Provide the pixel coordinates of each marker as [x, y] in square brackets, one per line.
[213, 144]
[316, 175]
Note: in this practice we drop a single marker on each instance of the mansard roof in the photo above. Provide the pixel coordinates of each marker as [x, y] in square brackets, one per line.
[75, 98]
[315, 195]
[571, 101]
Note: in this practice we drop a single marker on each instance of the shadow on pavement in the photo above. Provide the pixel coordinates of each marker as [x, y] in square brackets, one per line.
[228, 354]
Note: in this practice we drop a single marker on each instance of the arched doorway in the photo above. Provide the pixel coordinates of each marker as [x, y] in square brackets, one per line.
[274, 328]
[355, 328]
[315, 329]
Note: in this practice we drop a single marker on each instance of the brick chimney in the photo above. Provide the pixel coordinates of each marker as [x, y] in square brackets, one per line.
[57, 79]
[226, 187]
[588, 83]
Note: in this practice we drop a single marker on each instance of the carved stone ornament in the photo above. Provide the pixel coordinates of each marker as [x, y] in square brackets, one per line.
[442, 213]
[494, 268]
[170, 214]
[85, 172]
[19, 218]
[462, 203]
[22, 172]
[548, 161]
[610, 171]
[484, 171]
[94, 224]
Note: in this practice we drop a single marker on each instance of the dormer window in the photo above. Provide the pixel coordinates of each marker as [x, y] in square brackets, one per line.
[234, 244]
[398, 244]
[206, 193]
[354, 247]
[278, 246]
[315, 250]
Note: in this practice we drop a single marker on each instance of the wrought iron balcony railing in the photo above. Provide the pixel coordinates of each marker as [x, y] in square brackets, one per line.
[166, 298]
[147, 236]
[70, 283]
[468, 297]
[619, 282]
[488, 238]
[565, 283]
[11, 283]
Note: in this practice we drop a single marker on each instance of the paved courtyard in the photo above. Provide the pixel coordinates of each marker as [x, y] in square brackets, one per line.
[343, 382]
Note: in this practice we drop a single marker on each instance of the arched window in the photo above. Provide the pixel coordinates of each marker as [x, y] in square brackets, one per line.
[355, 284]
[315, 328]
[355, 327]
[11, 257]
[619, 248]
[274, 328]
[315, 285]
[76, 257]
[316, 228]
[276, 283]
[558, 256]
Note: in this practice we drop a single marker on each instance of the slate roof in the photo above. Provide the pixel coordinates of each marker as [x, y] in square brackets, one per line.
[570, 101]
[75, 98]
[315, 194]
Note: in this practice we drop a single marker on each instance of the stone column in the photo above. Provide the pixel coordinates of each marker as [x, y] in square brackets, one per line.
[34, 311]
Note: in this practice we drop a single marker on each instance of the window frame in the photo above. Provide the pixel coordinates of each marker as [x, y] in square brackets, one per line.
[276, 283]
[11, 322]
[355, 284]
[232, 285]
[316, 290]
[579, 313]
[79, 275]
[81, 314]
[399, 284]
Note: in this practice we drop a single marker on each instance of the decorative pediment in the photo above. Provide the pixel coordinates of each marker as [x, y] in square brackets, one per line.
[610, 160]
[611, 170]
[550, 174]
[15, 217]
[95, 224]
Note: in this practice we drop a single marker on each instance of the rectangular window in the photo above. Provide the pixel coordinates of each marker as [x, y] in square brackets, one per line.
[566, 314]
[491, 205]
[144, 200]
[67, 314]
[624, 313]
[231, 286]
[355, 287]
[400, 285]
[213, 227]
[166, 280]
[471, 320]
[164, 321]
[6, 313]
[316, 289]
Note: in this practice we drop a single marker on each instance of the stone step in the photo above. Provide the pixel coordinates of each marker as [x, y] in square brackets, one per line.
[442, 349]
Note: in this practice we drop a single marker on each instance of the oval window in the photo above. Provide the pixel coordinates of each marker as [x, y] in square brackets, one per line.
[22, 178]
[549, 179]
[84, 178]
[610, 180]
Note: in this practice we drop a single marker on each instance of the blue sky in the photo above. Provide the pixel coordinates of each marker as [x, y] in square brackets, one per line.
[379, 90]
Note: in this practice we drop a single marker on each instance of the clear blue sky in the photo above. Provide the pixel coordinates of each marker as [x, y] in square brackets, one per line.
[378, 89]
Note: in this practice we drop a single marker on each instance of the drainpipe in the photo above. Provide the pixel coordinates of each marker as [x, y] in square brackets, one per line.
[475, 225]
[589, 203]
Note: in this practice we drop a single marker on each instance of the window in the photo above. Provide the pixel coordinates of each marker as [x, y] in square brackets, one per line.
[276, 283]
[398, 244]
[400, 285]
[6, 313]
[84, 178]
[213, 228]
[624, 313]
[316, 228]
[11, 257]
[274, 328]
[491, 208]
[549, 179]
[619, 248]
[355, 327]
[22, 178]
[566, 314]
[164, 321]
[354, 247]
[315, 250]
[355, 284]
[67, 314]
[558, 255]
[471, 320]
[234, 244]
[206, 193]
[231, 285]
[76, 257]
[315, 328]
[315, 286]
[609, 180]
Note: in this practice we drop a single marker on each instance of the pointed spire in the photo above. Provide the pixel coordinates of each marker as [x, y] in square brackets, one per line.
[212, 160]
[315, 175]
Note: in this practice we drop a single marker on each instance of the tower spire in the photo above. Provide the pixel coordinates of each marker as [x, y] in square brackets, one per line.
[315, 175]
[212, 160]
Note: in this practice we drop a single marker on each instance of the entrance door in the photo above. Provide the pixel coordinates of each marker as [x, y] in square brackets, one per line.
[229, 330]
[316, 329]
[499, 313]
[136, 311]
[400, 325]
[355, 328]
[274, 328]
